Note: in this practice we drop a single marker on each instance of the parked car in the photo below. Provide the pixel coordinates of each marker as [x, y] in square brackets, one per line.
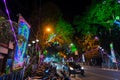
[75, 68]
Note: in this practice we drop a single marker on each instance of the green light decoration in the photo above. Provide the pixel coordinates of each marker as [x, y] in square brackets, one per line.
[7, 71]
[117, 17]
[71, 44]
[104, 14]
[73, 48]
[45, 52]
[111, 46]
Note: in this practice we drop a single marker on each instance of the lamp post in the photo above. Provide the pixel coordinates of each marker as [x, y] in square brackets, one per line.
[33, 47]
[37, 45]
[29, 48]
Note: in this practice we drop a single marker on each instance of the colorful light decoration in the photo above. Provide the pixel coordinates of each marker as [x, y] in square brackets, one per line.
[112, 53]
[83, 58]
[52, 36]
[23, 30]
[10, 21]
[117, 17]
[73, 47]
[117, 21]
[45, 52]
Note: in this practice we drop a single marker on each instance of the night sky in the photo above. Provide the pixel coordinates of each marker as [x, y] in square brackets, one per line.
[69, 8]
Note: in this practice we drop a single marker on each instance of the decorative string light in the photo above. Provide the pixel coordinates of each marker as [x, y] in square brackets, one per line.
[10, 21]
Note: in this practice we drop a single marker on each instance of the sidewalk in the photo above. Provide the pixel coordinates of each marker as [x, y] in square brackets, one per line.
[110, 69]
[101, 68]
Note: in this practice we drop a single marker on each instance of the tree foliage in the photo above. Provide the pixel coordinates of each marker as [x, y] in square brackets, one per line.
[6, 33]
[65, 30]
[104, 13]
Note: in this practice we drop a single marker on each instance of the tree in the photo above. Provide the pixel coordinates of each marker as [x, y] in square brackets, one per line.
[86, 33]
[104, 13]
[99, 20]
[64, 30]
[63, 36]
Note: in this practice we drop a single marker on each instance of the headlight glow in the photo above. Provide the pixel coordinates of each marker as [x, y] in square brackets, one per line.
[71, 68]
[82, 67]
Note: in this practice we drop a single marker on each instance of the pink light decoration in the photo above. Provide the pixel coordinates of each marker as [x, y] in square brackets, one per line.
[96, 38]
[11, 25]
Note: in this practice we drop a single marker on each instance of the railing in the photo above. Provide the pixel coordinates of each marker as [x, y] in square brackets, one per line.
[16, 75]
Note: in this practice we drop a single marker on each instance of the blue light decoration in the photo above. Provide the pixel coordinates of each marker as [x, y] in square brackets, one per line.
[83, 58]
[118, 1]
[20, 51]
[117, 21]
[112, 53]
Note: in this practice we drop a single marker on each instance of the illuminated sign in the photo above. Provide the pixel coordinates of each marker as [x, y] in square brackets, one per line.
[23, 33]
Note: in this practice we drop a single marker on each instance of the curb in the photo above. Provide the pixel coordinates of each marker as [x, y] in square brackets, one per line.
[103, 68]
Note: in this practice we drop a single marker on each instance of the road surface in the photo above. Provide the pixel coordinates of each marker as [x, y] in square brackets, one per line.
[92, 73]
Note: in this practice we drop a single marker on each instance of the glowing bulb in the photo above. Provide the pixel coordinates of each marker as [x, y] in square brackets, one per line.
[33, 42]
[29, 44]
[37, 40]
[48, 29]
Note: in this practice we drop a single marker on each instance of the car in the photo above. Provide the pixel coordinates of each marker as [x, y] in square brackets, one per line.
[75, 68]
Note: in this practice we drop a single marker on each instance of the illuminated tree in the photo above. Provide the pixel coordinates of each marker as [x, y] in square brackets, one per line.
[85, 39]
[99, 20]
[104, 13]
[64, 30]
[63, 36]
[85, 34]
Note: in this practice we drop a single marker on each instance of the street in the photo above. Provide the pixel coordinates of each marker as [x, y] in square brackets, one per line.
[92, 73]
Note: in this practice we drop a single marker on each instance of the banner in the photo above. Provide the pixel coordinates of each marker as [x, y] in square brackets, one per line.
[23, 35]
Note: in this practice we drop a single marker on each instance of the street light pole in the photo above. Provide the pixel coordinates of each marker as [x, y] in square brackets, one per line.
[33, 47]
[46, 32]
[37, 45]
